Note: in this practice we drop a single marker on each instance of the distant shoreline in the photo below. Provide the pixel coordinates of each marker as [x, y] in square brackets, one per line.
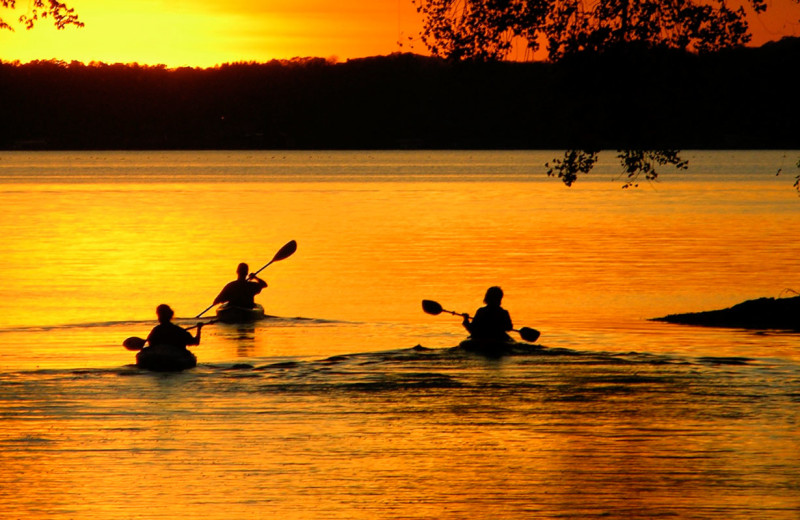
[740, 99]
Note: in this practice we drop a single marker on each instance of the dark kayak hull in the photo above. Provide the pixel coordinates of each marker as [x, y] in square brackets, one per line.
[165, 359]
[233, 314]
[489, 347]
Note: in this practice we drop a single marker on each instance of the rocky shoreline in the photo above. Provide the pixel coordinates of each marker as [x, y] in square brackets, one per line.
[762, 313]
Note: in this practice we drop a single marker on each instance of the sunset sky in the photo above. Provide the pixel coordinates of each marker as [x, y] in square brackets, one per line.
[208, 32]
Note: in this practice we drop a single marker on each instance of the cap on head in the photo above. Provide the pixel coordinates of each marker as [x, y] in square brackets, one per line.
[494, 295]
[164, 312]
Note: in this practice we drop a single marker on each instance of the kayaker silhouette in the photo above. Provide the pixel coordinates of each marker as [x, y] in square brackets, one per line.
[491, 321]
[241, 292]
[167, 334]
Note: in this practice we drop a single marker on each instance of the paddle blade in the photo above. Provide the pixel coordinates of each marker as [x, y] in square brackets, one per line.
[134, 343]
[286, 251]
[431, 307]
[529, 334]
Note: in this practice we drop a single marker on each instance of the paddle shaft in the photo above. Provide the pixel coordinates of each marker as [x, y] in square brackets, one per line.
[206, 310]
[253, 275]
[454, 313]
[203, 324]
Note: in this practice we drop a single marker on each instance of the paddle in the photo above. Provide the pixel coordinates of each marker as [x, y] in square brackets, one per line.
[283, 253]
[432, 307]
[134, 343]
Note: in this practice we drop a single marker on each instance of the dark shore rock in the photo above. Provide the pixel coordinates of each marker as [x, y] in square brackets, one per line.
[763, 313]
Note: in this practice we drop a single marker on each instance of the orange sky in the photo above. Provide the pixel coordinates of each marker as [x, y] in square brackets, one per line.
[208, 32]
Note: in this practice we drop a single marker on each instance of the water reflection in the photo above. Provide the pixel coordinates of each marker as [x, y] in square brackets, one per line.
[413, 433]
[241, 337]
[337, 416]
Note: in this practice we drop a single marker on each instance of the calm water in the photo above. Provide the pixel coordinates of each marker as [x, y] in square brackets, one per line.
[349, 404]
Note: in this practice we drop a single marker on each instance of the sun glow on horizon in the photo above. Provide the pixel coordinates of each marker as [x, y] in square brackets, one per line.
[179, 34]
[213, 32]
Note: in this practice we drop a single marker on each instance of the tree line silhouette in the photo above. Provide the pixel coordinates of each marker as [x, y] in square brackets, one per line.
[628, 98]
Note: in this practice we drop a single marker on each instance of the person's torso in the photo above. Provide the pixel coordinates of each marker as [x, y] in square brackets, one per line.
[241, 293]
[169, 335]
[491, 322]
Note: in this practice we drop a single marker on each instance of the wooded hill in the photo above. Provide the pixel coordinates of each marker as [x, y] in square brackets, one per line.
[746, 98]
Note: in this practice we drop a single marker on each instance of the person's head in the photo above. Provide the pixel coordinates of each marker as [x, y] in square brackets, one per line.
[494, 295]
[164, 313]
[242, 270]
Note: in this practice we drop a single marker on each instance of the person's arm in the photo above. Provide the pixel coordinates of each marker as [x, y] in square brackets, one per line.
[508, 324]
[467, 325]
[261, 283]
[150, 336]
[222, 297]
[195, 340]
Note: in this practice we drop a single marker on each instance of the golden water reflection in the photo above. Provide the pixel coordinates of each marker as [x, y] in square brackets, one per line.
[327, 411]
[567, 440]
[592, 257]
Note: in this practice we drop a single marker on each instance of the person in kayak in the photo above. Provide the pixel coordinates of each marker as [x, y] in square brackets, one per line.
[242, 291]
[167, 334]
[491, 321]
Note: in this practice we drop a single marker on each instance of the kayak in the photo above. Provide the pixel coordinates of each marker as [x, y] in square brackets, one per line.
[490, 347]
[233, 314]
[165, 359]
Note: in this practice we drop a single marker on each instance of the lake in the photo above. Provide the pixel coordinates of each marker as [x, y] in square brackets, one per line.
[349, 402]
